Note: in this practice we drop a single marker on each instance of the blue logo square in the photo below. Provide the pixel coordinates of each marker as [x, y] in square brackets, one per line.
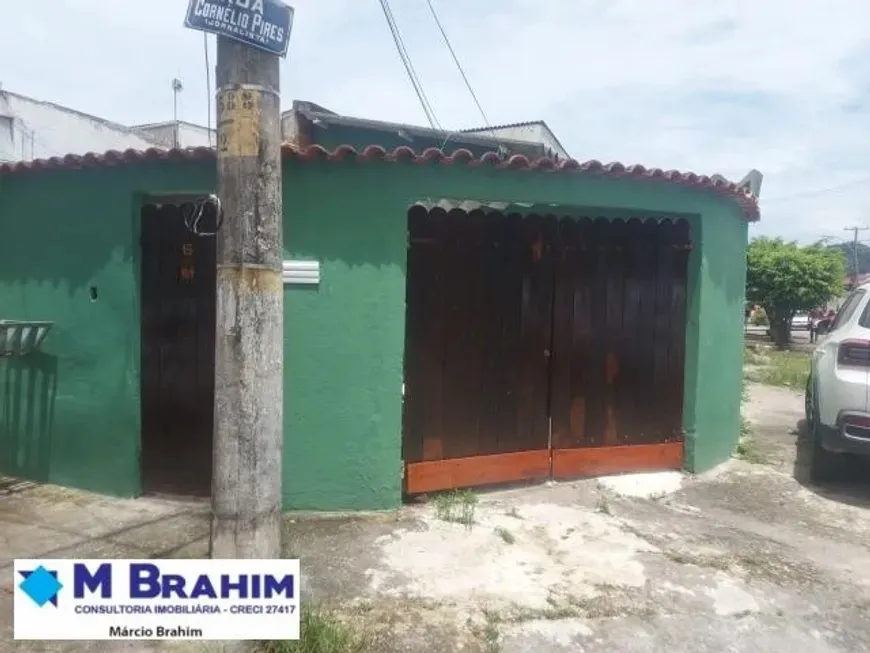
[41, 585]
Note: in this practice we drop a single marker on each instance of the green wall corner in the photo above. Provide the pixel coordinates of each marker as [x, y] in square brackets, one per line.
[714, 376]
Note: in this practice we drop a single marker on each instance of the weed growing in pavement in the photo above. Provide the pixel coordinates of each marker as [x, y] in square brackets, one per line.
[788, 369]
[457, 506]
[321, 632]
[746, 451]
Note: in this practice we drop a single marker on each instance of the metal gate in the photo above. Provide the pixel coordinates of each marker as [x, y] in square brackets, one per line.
[539, 347]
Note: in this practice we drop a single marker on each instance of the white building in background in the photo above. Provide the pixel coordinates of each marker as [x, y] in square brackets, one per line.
[536, 131]
[177, 133]
[33, 129]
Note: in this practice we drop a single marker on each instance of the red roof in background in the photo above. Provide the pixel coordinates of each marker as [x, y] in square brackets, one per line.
[747, 201]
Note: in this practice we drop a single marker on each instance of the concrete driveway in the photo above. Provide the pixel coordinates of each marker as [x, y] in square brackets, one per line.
[747, 558]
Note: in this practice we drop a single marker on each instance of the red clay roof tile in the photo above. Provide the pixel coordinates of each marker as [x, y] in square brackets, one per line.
[747, 201]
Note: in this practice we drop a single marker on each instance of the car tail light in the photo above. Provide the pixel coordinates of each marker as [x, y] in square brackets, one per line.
[854, 352]
[857, 420]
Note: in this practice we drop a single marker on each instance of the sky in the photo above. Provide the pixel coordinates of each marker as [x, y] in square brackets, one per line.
[726, 86]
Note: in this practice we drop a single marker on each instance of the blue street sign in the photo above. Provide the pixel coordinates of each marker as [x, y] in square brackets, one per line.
[262, 24]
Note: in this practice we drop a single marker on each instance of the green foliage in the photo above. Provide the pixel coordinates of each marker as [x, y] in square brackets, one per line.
[785, 278]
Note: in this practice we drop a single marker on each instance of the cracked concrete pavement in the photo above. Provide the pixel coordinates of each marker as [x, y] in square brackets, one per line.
[746, 558]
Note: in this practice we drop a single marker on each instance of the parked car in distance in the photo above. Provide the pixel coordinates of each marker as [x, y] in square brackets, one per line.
[837, 401]
[800, 322]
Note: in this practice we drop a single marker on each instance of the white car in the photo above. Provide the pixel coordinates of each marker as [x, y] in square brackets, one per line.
[800, 322]
[837, 400]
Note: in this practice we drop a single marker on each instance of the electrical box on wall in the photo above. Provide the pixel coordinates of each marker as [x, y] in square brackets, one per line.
[301, 273]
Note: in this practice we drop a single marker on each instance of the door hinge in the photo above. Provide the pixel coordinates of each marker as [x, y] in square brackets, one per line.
[402, 472]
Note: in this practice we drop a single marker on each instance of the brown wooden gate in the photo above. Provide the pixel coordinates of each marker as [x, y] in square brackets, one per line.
[177, 363]
[539, 347]
[618, 346]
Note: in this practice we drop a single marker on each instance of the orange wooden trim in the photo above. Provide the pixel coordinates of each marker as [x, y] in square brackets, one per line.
[598, 461]
[433, 475]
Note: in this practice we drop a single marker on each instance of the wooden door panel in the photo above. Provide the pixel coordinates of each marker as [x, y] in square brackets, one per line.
[493, 469]
[601, 461]
[424, 337]
[511, 277]
[680, 246]
[536, 331]
[460, 396]
[178, 324]
[497, 431]
[483, 340]
[618, 343]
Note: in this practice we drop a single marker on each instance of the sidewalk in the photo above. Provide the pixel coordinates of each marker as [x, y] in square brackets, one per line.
[742, 559]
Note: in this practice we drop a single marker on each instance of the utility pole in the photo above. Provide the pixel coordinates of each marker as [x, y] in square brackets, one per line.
[177, 87]
[249, 346]
[855, 270]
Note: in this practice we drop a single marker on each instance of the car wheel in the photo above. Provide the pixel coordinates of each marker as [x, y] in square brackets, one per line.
[825, 466]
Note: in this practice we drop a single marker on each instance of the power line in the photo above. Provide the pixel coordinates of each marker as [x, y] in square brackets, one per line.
[409, 66]
[459, 65]
[820, 191]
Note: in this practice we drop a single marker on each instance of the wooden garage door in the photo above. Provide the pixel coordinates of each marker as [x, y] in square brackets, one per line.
[479, 304]
[538, 347]
[618, 346]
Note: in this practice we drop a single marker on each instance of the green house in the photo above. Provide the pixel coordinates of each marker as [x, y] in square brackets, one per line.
[451, 321]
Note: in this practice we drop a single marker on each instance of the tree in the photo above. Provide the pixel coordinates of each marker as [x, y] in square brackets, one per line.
[785, 278]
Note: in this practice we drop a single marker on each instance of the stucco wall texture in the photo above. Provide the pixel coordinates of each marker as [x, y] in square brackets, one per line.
[71, 414]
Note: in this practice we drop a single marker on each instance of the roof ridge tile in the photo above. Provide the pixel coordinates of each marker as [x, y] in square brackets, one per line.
[747, 201]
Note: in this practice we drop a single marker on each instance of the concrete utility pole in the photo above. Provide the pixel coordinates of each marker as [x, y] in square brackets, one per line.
[249, 347]
[855, 271]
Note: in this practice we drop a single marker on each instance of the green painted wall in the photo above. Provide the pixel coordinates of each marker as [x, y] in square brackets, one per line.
[714, 376]
[71, 415]
[343, 395]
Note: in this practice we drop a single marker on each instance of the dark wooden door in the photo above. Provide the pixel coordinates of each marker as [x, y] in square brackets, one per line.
[537, 346]
[479, 305]
[178, 331]
[618, 346]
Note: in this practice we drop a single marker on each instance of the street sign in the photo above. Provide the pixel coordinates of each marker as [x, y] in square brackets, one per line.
[262, 24]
